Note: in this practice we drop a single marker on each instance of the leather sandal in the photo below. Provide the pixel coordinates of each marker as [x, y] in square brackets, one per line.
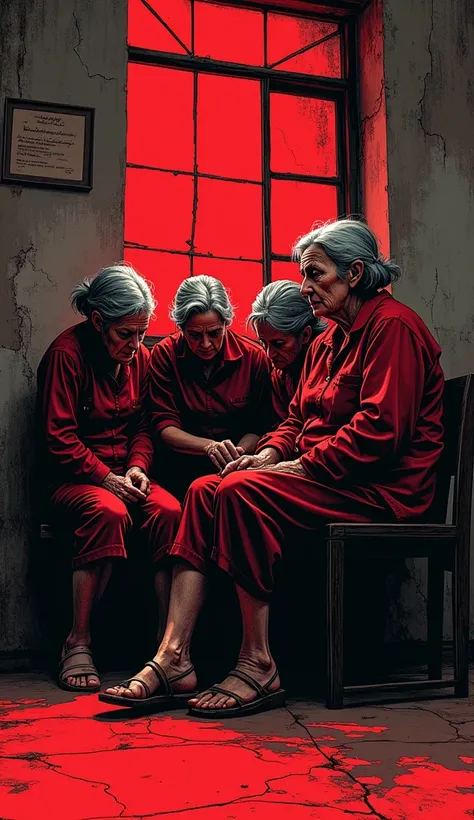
[264, 701]
[167, 699]
[76, 662]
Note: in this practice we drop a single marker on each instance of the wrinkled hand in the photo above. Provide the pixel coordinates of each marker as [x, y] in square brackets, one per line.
[222, 452]
[122, 487]
[262, 461]
[292, 467]
[139, 479]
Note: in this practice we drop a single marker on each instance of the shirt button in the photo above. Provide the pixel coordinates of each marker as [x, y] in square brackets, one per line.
[327, 379]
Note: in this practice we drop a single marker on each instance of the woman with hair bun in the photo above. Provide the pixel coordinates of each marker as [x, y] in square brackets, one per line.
[361, 444]
[285, 326]
[96, 447]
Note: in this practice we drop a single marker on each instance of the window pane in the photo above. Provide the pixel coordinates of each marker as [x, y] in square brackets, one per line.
[229, 34]
[229, 117]
[153, 137]
[286, 34]
[166, 271]
[229, 219]
[323, 60]
[286, 270]
[243, 280]
[295, 206]
[158, 209]
[146, 31]
[303, 135]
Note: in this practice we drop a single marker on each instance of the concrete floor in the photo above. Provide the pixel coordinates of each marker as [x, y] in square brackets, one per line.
[72, 757]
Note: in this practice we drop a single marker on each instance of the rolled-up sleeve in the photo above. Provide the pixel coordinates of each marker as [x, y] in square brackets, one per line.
[393, 378]
[164, 410]
[58, 393]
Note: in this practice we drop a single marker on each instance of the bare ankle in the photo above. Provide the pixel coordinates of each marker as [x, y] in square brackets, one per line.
[261, 660]
[76, 639]
[175, 653]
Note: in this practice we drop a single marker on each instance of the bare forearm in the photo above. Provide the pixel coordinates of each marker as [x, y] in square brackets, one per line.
[183, 442]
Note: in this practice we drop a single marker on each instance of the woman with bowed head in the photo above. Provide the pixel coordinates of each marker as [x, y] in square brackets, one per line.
[209, 387]
[96, 448]
[361, 444]
[284, 324]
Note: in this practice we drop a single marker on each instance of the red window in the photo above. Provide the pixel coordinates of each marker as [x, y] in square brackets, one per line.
[235, 143]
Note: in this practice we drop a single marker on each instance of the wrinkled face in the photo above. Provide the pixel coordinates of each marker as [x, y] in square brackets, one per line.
[124, 337]
[281, 348]
[205, 334]
[327, 293]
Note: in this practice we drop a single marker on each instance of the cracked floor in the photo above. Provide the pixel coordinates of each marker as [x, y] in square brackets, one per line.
[66, 756]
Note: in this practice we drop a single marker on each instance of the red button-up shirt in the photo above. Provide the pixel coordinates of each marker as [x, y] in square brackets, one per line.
[90, 423]
[368, 408]
[284, 384]
[233, 401]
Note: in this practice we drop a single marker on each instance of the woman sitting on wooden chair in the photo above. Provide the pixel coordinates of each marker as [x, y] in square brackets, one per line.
[361, 444]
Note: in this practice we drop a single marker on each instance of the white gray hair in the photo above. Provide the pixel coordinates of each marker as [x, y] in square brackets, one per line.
[115, 292]
[282, 306]
[346, 240]
[200, 294]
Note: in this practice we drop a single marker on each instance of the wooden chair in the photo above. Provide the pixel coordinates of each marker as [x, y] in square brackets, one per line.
[446, 546]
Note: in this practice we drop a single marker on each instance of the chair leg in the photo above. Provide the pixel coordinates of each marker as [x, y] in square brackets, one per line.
[435, 616]
[461, 619]
[335, 590]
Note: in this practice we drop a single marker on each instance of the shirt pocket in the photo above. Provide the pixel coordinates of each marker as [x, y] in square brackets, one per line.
[344, 399]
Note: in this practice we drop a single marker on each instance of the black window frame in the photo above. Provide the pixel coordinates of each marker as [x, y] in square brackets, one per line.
[343, 91]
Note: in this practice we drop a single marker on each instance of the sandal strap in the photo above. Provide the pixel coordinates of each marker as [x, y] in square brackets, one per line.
[219, 690]
[162, 677]
[78, 669]
[260, 690]
[182, 674]
[141, 682]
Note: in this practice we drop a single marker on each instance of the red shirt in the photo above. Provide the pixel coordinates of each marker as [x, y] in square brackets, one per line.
[284, 384]
[90, 423]
[235, 400]
[368, 407]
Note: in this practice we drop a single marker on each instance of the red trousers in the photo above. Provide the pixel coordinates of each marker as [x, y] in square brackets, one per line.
[245, 521]
[101, 521]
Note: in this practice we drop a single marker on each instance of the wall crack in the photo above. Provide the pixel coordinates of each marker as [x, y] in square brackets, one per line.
[82, 62]
[421, 103]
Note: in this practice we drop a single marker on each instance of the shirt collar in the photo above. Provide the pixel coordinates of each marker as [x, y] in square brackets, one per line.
[361, 319]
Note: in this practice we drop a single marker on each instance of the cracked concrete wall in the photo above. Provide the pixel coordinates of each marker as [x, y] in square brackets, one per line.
[429, 85]
[62, 52]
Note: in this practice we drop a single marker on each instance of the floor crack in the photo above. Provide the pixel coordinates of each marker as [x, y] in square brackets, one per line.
[335, 764]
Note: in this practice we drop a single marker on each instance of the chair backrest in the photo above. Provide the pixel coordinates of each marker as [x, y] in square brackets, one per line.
[458, 455]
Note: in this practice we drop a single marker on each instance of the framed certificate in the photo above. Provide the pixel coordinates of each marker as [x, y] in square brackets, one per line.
[48, 145]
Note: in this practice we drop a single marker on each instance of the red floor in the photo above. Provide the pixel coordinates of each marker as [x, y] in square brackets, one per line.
[66, 758]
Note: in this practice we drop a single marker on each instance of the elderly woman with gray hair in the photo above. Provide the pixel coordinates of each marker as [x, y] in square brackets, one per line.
[284, 324]
[361, 444]
[209, 387]
[96, 448]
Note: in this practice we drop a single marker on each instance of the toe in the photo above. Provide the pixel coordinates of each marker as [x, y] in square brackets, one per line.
[93, 680]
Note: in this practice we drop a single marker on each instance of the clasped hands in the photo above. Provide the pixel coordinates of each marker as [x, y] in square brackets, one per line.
[132, 487]
[229, 458]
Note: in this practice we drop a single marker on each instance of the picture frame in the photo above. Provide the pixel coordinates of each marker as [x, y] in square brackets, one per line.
[48, 145]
